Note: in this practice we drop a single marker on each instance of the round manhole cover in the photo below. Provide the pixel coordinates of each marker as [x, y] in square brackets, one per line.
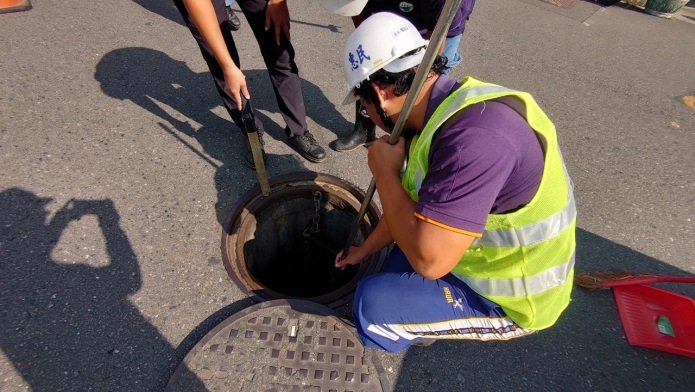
[280, 345]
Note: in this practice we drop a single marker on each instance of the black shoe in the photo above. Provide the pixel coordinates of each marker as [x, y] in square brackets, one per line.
[248, 153]
[306, 145]
[363, 134]
[358, 137]
[234, 22]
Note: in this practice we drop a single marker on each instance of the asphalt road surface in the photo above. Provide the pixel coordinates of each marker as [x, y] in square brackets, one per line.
[119, 166]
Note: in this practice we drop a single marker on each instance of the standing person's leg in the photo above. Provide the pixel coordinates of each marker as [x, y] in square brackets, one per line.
[397, 308]
[215, 68]
[451, 47]
[284, 75]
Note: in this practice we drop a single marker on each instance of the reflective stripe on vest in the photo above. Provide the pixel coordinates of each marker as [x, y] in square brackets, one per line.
[534, 233]
[531, 234]
[530, 285]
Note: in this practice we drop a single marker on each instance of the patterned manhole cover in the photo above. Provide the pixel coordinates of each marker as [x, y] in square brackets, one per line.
[280, 345]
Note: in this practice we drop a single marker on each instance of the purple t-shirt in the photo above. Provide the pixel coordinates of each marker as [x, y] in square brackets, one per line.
[488, 161]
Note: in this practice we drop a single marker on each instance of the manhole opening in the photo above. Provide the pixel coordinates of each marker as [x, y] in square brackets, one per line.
[287, 254]
[284, 245]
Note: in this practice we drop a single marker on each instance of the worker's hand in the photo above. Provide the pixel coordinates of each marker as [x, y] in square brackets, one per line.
[236, 83]
[384, 158]
[355, 256]
[278, 14]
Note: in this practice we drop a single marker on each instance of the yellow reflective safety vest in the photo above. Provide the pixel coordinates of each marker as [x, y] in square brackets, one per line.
[524, 260]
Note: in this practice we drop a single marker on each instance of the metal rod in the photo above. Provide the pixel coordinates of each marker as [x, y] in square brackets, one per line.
[321, 244]
[438, 37]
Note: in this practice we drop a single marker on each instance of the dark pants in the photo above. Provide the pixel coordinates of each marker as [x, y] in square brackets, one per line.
[279, 61]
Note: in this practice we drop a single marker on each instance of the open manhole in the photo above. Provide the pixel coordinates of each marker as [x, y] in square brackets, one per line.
[280, 345]
[284, 245]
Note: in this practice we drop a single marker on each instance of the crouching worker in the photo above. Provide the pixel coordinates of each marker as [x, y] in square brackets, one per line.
[483, 218]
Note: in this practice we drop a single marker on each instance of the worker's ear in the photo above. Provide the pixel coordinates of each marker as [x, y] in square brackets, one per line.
[383, 94]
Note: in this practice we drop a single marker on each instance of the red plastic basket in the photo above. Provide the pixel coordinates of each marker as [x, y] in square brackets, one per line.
[657, 318]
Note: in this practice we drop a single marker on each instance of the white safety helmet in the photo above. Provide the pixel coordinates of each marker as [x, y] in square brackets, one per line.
[345, 7]
[380, 42]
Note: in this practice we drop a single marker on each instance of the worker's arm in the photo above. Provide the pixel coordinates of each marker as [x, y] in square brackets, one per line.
[376, 241]
[203, 15]
[278, 15]
[433, 251]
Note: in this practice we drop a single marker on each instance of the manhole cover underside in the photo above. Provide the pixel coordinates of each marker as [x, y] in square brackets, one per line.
[254, 350]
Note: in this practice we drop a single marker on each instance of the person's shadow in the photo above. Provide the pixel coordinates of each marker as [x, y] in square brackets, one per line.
[157, 83]
[68, 324]
[163, 8]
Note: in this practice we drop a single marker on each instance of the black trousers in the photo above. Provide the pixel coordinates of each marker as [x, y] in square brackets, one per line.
[279, 61]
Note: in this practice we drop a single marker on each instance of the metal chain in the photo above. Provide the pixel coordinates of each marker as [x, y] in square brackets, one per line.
[314, 228]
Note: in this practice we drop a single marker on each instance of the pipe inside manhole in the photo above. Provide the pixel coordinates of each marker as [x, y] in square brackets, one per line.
[284, 245]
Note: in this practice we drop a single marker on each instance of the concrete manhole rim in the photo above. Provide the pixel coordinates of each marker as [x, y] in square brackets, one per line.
[304, 308]
[253, 201]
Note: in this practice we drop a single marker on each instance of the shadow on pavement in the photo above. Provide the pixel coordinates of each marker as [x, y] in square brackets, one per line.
[181, 375]
[68, 324]
[185, 100]
[585, 351]
[163, 8]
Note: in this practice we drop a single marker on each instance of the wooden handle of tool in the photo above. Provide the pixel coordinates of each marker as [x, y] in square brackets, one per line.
[646, 279]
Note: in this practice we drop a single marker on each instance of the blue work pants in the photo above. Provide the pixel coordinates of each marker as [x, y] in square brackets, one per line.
[397, 307]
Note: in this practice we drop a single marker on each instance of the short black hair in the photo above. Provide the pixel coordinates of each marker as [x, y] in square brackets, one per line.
[400, 81]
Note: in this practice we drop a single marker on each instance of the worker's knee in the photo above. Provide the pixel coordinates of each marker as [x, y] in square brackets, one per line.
[372, 298]
[375, 307]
